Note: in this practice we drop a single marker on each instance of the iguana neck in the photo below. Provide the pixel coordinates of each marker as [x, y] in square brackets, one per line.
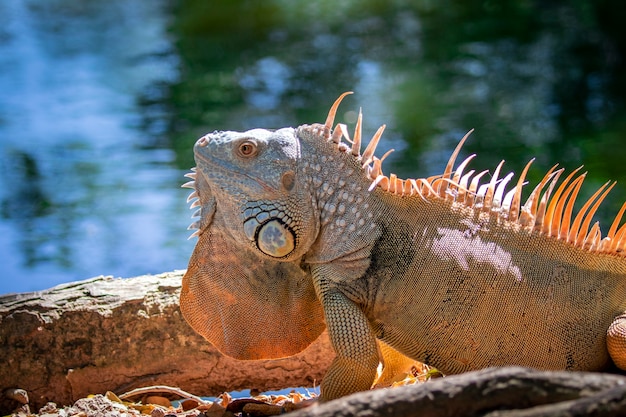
[346, 209]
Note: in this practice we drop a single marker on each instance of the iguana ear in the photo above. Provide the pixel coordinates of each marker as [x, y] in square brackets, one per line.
[247, 306]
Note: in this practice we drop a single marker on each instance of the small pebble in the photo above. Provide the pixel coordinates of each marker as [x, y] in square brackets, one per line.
[157, 412]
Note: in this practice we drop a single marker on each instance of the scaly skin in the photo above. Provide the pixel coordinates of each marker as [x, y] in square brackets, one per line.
[296, 227]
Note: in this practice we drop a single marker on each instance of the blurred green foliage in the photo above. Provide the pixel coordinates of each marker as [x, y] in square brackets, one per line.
[542, 79]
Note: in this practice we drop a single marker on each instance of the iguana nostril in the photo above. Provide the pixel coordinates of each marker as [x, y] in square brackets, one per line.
[203, 141]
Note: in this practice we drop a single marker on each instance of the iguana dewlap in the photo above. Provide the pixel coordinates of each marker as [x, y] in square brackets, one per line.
[299, 231]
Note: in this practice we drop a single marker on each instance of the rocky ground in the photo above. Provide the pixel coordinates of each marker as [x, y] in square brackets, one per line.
[163, 401]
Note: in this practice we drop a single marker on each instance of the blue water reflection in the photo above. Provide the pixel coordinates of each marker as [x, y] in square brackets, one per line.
[101, 102]
[83, 191]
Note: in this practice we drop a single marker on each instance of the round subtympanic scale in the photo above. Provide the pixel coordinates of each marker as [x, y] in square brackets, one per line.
[275, 239]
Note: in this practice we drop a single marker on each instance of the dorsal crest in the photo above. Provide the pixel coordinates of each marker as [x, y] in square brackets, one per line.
[547, 211]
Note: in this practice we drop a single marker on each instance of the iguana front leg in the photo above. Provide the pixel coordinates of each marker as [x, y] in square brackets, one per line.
[354, 367]
[616, 341]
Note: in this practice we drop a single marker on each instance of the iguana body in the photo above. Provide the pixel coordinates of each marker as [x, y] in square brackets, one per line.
[299, 231]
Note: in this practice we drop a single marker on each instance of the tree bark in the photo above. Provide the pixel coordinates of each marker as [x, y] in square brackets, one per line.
[493, 392]
[106, 334]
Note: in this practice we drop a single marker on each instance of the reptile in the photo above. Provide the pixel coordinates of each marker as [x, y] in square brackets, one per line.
[299, 230]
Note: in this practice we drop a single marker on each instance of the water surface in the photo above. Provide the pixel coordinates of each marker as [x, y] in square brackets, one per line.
[101, 102]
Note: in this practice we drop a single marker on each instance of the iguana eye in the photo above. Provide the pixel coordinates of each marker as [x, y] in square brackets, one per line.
[246, 149]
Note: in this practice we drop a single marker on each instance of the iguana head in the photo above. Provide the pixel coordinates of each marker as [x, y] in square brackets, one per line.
[251, 177]
[245, 290]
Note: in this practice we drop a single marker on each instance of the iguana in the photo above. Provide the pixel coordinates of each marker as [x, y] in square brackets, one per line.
[300, 231]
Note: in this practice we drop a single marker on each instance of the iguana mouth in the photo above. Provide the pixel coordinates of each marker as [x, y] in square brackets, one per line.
[201, 197]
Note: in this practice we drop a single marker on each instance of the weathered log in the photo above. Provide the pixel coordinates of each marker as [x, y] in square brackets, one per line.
[106, 334]
[493, 392]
